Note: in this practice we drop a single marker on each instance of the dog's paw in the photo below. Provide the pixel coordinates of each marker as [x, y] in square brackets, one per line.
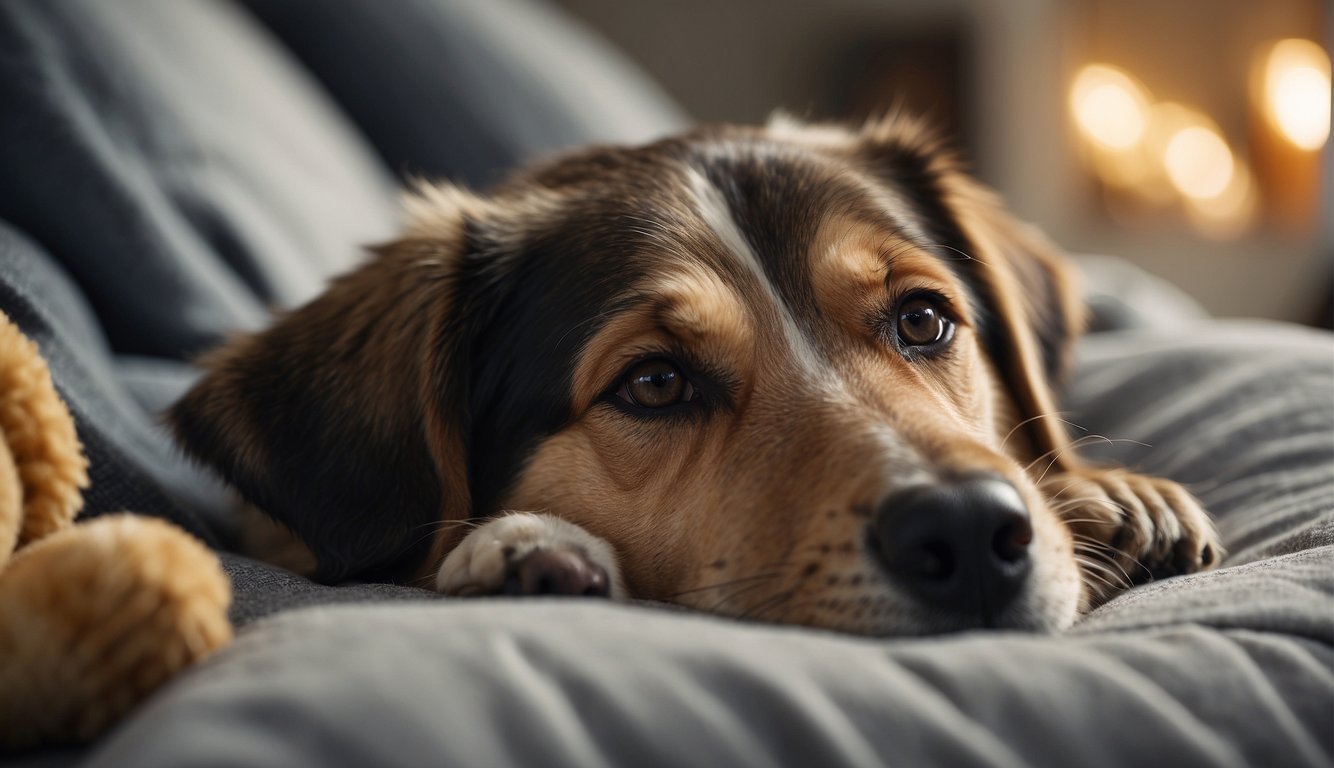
[523, 553]
[1129, 529]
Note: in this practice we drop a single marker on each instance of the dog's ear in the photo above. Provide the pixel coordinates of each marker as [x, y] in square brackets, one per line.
[1035, 312]
[1025, 290]
[344, 420]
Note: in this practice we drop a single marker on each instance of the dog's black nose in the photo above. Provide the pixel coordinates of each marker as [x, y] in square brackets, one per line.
[557, 572]
[961, 546]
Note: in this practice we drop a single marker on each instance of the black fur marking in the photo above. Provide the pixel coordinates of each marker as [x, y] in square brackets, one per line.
[560, 292]
[777, 209]
[909, 172]
[1050, 325]
[366, 509]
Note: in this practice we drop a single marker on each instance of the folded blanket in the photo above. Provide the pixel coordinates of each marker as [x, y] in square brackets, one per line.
[170, 171]
[1228, 668]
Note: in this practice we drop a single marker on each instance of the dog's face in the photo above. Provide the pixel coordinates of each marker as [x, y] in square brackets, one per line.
[793, 374]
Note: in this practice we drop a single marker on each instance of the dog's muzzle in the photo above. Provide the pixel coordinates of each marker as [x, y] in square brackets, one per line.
[961, 546]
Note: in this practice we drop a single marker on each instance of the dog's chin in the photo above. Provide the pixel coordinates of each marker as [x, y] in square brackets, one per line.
[895, 615]
[927, 625]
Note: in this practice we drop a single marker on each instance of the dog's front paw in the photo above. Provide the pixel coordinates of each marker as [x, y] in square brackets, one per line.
[1130, 528]
[523, 553]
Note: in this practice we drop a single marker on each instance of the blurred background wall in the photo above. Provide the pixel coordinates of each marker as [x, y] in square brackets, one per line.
[1189, 136]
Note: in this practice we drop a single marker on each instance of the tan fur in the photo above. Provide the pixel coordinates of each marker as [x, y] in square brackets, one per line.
[713, 525]
[93, 617]
[982, 218]
[760, 510]
[269, 541]
[47, 461]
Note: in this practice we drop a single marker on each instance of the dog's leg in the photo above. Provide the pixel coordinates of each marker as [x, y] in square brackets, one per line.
[524, 553]
[1130, 528]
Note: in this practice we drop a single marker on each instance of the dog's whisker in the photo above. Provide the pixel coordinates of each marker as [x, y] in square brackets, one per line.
[1108, 563]
[1053, 497]
[1109, 585]
[1086, 500]
[1057, 415]
[964, 255]
[432, 528]
[722, 584]
[1075, 445]
[1099, 572]
[436, 525]
[1104, 562]
[757, 611]
[734, 594]
[1055, 454]
[1090, 542]
[1089, 520]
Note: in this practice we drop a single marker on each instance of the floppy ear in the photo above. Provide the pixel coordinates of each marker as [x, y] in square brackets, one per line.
[343, 420]
[1026, 290]
[1036, 312]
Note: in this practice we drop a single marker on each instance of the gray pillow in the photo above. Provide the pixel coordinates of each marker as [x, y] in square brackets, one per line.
[1229, 668]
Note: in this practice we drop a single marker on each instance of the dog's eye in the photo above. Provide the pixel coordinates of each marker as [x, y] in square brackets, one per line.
[656, 384]
[921, 322]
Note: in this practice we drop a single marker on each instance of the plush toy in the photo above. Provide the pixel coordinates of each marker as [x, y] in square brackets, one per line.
[94, 616]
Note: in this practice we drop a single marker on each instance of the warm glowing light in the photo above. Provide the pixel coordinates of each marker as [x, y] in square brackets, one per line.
[1198, 162]
[1229, 214]
[1110, 107]
[1297, 92]
[1134, 170]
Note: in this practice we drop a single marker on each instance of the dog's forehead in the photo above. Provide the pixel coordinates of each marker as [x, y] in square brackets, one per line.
[747, 206]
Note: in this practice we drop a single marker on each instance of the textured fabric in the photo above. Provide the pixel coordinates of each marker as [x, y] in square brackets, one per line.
[1229, 668]
[174, 172]
[1121, 296]
[182, 169]
[261, 590]
[132, 462]
[505, 81]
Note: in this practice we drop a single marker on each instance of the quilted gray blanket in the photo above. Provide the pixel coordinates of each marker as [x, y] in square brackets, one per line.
[1229, 668]
[168, 170]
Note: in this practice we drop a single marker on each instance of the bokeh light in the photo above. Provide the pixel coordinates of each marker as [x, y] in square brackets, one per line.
[1198, 162]
[1297, 92]
[1232, 212]
[1109, 106]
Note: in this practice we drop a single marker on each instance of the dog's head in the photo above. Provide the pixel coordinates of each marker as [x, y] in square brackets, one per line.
[793, 373]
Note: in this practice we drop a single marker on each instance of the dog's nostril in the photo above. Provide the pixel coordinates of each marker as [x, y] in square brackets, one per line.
[961, 546]
[935, 560]
[1012, 538]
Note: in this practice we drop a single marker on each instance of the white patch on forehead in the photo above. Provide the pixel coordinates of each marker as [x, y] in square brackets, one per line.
[718, 216]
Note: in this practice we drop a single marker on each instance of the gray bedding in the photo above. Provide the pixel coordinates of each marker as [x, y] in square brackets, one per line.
[1229, 668]
[169, 169]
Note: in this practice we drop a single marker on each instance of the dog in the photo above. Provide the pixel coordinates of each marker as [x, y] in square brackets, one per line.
[799, 373]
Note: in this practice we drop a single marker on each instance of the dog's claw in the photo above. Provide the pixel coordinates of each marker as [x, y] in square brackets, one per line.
[1130, 529]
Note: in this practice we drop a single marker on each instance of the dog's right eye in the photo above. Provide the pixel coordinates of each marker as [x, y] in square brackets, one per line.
[922, 323]
[656, 384]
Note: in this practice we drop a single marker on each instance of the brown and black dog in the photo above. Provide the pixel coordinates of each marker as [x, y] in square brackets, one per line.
[795, 373]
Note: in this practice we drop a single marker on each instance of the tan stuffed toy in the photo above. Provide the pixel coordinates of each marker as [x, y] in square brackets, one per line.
[93, 617]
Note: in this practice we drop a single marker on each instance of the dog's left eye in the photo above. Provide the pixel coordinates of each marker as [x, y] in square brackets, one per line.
[656, 384]
[922, 323]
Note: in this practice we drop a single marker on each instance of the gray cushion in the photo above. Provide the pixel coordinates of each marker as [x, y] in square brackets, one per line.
[1229, 668]
[182, 194]
[467, 91]
[183, 169]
